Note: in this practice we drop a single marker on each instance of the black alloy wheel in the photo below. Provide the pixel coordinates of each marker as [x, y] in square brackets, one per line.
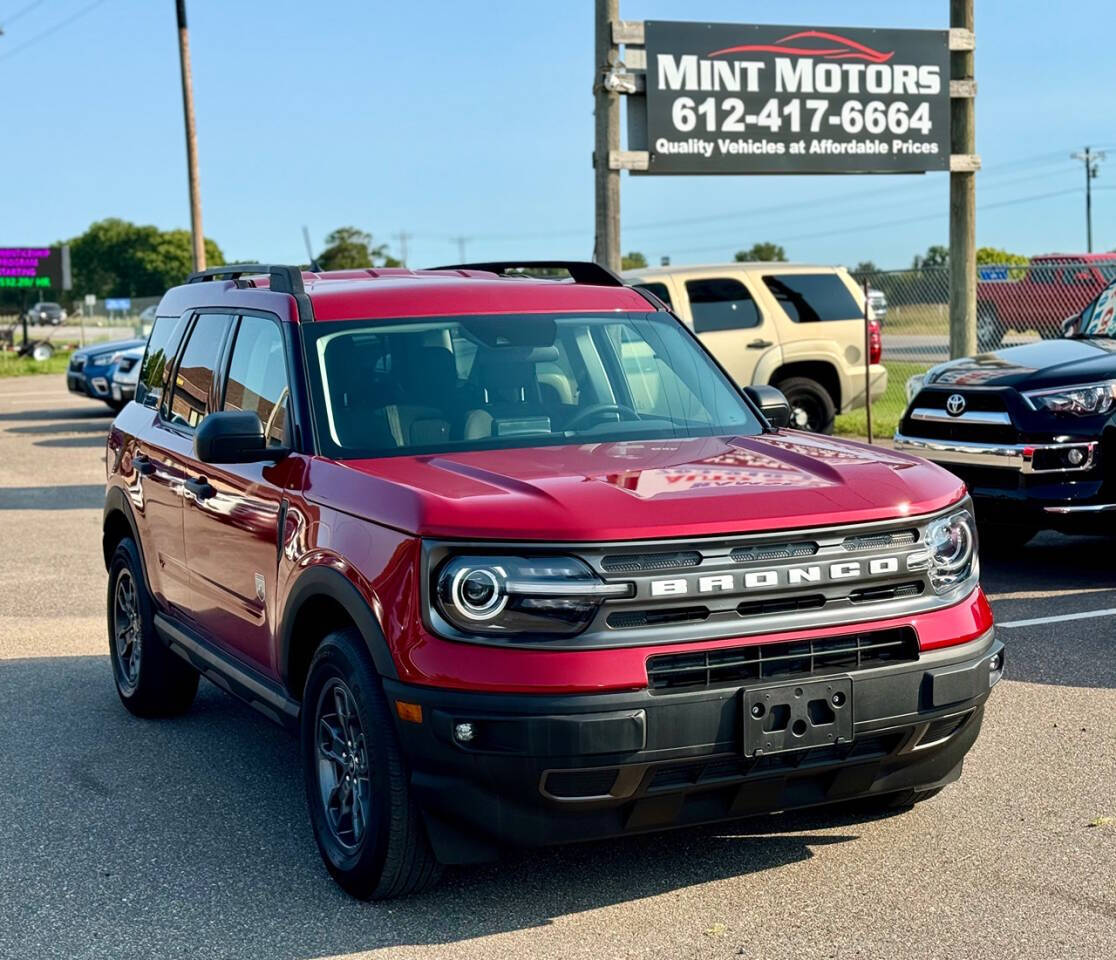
[343, 775]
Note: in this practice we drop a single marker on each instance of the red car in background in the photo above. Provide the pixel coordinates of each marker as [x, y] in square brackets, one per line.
[1040, 295]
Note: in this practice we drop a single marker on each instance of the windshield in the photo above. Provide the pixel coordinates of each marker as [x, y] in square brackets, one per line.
[1098, 319]
[384, 388]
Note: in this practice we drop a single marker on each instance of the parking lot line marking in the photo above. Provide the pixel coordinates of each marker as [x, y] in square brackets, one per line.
[1084, 615]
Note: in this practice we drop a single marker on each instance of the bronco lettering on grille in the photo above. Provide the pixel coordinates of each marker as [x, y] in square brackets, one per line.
[775, 577]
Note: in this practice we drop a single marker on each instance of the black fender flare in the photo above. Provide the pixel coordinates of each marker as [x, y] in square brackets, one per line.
[117, 502]
[325, 581]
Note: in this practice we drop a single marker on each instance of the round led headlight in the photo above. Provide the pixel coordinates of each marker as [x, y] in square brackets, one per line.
[477, 592]
[510, 595]
[951, 541]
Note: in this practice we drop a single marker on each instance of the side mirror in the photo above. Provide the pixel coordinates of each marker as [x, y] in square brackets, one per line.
[234, 436]
[772, 404]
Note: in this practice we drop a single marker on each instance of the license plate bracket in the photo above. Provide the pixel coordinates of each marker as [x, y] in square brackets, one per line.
[797, 716]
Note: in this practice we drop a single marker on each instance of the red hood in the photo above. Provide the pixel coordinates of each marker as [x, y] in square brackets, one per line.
[631, 491]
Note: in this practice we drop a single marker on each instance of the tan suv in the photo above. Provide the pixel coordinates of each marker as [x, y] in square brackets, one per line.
[798, 328]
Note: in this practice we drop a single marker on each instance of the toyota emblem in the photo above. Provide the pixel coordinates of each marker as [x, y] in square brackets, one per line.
[955, 405]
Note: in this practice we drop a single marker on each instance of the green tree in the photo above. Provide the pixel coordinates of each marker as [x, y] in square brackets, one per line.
[349, 248]
[994, 255]
[864, 271]
[936, 256]
[765, 252]
[633, 261]
[116, 258]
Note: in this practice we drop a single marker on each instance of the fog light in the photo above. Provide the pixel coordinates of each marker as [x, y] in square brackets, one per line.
[995, 669]
[464, 732]
[1075, 457]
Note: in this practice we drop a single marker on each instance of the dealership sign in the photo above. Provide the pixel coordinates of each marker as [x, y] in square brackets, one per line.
[35, 268]
[751, 98]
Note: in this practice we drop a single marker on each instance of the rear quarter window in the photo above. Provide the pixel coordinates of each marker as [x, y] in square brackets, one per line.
[813, 297]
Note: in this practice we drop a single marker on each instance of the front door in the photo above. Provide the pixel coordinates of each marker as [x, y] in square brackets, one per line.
[159, 464]
[232, 524]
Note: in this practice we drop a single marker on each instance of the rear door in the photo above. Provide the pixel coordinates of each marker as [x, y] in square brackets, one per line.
[729, 321]
[232, 528]
[826, 315]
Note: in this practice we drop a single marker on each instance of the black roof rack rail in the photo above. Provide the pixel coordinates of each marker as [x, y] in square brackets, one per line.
[283, 279]
[581, 271]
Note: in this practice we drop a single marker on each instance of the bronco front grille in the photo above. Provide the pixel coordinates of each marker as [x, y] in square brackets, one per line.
[639, 562]
[763, 662]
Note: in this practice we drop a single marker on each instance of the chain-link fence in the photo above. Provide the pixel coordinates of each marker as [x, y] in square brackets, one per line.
[72, 323]
[1016, 303]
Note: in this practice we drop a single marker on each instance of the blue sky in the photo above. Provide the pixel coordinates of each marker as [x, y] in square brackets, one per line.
[450, 119]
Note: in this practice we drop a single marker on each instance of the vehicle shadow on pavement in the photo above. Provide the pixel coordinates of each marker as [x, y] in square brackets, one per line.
[94, 426]
[94, 412]
[123, 837]
[92, 441]
[77, 496]
[1053, 576]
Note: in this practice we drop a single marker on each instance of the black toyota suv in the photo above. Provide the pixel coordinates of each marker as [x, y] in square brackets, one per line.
[1030, 429]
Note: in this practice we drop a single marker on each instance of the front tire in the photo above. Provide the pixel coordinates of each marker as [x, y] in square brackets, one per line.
[150, 680]
[369, 831]
[812, 408]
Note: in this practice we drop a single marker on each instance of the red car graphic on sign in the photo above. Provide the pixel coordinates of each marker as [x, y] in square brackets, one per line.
[827, 46]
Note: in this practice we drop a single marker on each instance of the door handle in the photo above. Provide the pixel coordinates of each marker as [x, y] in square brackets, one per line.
[143, 464]
[199, 488]
[759, 344]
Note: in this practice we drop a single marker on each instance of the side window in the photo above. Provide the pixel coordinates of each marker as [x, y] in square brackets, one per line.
[1044, 274]
[194, 378]
[813, 297]
[258, 377]
[162, 345]
[659, 289]
[721, 304]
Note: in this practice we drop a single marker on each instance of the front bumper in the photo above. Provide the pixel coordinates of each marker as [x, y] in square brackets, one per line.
[554, 769]
[75, 382]
[123, 392]
[1027, 483]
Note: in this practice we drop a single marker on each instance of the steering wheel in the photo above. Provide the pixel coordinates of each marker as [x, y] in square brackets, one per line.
[602, 409]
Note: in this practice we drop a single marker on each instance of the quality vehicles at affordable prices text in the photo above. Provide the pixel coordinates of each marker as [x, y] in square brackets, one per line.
[524, 566]
[1028, 428]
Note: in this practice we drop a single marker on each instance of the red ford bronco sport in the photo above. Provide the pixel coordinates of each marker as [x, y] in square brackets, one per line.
[524, 566]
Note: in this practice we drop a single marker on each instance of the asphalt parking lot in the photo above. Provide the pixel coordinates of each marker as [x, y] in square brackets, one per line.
[188, 838]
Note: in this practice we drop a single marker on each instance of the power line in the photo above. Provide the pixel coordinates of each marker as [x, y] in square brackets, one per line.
[20, 12]
[856, 228]
[779, 210]
[50, 31]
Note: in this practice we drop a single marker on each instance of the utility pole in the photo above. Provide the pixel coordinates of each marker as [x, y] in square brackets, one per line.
[309, 248]
[460, 241]
[1092, 160]
[962, 198]
[191, 138]
[606, 246]
[404, 236]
